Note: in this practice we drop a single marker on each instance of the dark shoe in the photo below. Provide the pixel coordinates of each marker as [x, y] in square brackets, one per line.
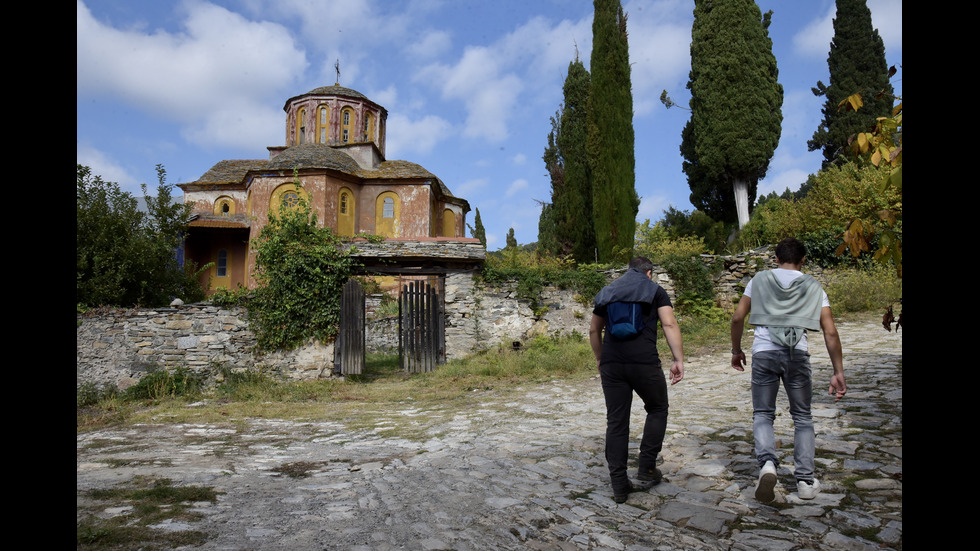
[620, 495]
[654, 476]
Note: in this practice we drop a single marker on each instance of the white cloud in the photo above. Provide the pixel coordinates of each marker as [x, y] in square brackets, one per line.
[432, 45]
[814, 39]
[470, 188]
[516, 187]
[477, 82]
[219, 64]
[800, 111]
[107, 168]
[652, 208]
[406, 137]
[660, 51]
[240, 123]
[492, 241]
[388, 98]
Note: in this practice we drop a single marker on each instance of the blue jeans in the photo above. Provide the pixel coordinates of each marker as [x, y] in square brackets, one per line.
[793, 369]
[619, 381]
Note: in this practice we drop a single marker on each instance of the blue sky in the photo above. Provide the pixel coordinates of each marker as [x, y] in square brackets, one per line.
[469, 85]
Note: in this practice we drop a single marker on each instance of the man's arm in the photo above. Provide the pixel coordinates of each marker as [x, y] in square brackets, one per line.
[832, 339]
[738, 325]
[672, 332]
[595, 336]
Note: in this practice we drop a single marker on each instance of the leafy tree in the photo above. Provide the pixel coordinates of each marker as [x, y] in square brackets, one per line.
[695, 224]
[857, 64]
[736, 105]
[848, 192]
[610, 145]
[881, 147]
[301, 269]
[566, 226]
[126, 257]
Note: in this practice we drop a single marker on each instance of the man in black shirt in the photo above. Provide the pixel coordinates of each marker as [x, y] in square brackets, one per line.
[633, 364]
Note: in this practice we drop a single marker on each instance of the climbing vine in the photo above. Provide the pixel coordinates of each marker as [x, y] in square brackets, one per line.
[301, 269]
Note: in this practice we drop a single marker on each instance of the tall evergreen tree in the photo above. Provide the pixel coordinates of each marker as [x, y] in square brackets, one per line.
[610, 133]
[566, 224]
[857, 64]
[736, 107]
[479, 231]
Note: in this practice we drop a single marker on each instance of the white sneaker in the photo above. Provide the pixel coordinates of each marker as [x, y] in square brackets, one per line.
[767, 481]
[808, 491]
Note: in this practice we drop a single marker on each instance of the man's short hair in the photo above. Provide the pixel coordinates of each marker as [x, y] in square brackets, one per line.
[642, 264]
[790, 250]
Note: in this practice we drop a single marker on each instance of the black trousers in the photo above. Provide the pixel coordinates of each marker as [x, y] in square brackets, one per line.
[619, 381]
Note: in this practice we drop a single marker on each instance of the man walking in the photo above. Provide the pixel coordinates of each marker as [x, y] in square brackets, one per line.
[784, 304]
[629, 363]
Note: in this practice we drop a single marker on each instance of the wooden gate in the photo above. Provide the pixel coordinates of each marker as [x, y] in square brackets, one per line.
[421, 335]
[349, 347]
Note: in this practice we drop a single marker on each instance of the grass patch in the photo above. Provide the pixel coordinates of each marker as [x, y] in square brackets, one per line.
[297, 469]
[141, 506]
[362, 401]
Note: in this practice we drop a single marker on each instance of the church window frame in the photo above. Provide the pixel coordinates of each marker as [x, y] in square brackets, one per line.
[300, 125]
[387, 214]
[221, 264]
[287, 196]
[322, 123]
[347, 122]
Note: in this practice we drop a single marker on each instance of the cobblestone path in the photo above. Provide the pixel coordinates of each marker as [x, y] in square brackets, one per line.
[526, 470]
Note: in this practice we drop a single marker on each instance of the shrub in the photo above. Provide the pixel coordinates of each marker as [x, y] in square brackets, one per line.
[874, 287]
[839, 195]
[162, 383]
[89, 394]
[302, 269]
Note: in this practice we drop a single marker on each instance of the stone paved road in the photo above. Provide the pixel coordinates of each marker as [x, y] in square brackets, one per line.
[525, 470]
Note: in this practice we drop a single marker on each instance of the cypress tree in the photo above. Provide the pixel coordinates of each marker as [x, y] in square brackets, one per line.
[479, 232]
[610, 133]
[736, 105]
[857, 64]
[566, 224]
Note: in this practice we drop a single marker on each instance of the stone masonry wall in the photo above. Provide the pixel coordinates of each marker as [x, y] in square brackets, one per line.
[120, 346]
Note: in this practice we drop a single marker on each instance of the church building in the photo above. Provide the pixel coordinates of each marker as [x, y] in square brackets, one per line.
[335, 150]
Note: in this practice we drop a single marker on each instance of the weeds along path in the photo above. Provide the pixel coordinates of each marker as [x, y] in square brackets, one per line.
[517, 470]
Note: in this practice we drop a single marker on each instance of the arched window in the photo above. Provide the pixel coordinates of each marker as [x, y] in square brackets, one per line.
[224, 206]
[386, 214]
[347, 119]
[287, 196]
[301, 125]
[368, 127]
[448, 223]
[345, 213]
[322, 123]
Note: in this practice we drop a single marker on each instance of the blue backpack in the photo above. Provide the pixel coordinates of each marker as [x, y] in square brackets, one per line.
[625, 319]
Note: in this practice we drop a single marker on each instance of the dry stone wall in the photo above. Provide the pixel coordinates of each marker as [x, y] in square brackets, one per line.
[119, 346]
